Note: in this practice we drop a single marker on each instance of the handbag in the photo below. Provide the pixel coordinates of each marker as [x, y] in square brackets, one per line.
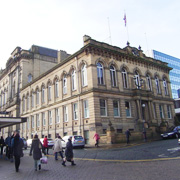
[44, 160]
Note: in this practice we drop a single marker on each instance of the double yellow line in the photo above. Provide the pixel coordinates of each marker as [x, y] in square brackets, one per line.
[127, 161]
[124, 161]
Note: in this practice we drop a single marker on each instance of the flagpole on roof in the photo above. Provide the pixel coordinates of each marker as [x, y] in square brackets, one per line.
[125, 22]
[109, 31]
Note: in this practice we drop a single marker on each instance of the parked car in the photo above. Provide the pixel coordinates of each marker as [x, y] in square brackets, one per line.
[29, 142]
[179, 141]
[25, 143]
[50, 142]
[173, 133]
[77, 141]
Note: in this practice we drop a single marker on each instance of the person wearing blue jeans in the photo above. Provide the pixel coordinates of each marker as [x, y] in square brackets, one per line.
[60, 153]
[57, 148]
[36, 149]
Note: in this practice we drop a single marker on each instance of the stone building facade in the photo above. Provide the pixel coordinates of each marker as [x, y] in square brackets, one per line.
[22, 67]
[98, 85]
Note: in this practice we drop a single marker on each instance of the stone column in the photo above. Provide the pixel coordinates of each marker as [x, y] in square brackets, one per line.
[150, 111]
[139, 110]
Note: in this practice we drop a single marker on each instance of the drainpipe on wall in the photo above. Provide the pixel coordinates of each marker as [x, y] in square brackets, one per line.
[79, 107]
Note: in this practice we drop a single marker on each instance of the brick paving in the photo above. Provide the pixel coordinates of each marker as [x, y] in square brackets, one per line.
[90, 170]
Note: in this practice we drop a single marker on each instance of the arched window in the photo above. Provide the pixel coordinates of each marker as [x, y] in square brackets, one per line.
[84, 75]
[1, 99]
[32, 99]
[100, 73]
[64, 84]
[23, 104]
[165, 86]
[43, 95]
[13, 89]
[49, 92]
[113, 75]
[29, 78]
[157, 85]
[73, 79]
[5, 97]
[124, 78]
[28, 102]
[56, 88]
[37, 96]
[149, 85]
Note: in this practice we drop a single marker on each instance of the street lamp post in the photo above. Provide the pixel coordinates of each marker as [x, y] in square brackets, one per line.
[138, 84]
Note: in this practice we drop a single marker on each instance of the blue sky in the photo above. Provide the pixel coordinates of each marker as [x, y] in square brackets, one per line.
[61, 25]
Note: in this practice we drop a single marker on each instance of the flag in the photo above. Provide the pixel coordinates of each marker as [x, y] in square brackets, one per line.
[124, 19]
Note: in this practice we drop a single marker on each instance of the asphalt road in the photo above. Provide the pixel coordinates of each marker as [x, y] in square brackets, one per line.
[136, 151]
[142, 151]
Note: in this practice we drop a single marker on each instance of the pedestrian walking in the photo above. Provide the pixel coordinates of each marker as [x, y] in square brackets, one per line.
[17, 145]
[57, 148]
[45, 144]
[69, 153]
[144, 134]
[96, 137]
[8, 145]
[2, 144]
[11, 148]
[128, 134]
[36, 148]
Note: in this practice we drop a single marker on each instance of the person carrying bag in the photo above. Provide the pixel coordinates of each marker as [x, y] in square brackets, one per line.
[36, 149]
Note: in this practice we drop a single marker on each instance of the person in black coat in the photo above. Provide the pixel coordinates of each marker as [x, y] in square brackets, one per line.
[69, 153]
[8, 146]
[128, 134]
[2, 144]
[17, 145]
[36, 148]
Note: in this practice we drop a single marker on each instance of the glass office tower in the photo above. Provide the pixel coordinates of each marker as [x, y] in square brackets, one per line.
[174, 74]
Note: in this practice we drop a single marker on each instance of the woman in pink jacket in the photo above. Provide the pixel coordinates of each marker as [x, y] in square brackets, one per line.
[96, 137]
[45, 144]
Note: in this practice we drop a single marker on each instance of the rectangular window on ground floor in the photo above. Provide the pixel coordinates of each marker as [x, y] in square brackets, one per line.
[32, 121]
[116, 108]
[65, 133]
[43, 119]
[103, 107]
[154, 110]
[57, 115]
[50, 117]
[86, 109]
[104, 131]
[65, 114]
[161, 111]
[169, 111]
[37, 120]
[119, 130]
[128, 108]
[75, 111]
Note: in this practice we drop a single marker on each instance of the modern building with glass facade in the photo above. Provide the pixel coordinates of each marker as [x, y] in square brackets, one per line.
[174, 73]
